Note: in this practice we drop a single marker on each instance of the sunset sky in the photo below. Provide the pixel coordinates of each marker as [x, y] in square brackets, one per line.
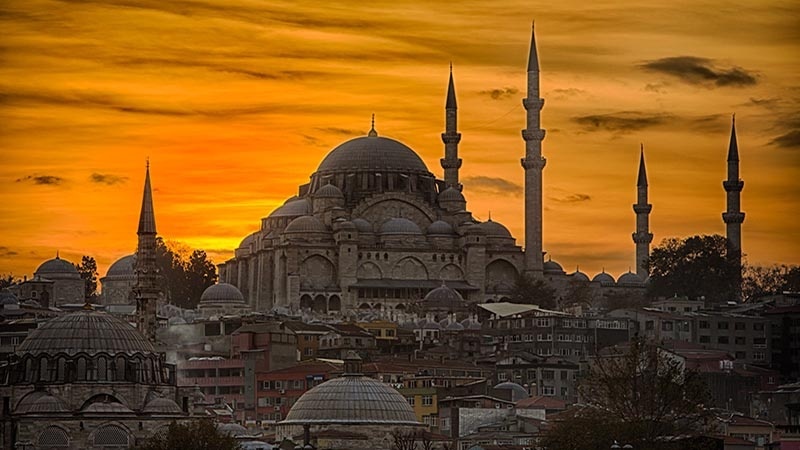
[236, 102]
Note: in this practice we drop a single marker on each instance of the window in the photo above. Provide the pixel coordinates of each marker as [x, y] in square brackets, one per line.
[427, 400]
[739, 326]
[759, 356]
[759, 342]
[649, 325]
[703, 324]
[564, 392]
[548, 375]
[666, 326]
[410, 400]
[741, 340]
[298, 384]
[741, 355]
[502, 376]
[705, 339]
[758, 327]
[722, 325]
[722, 340]
[549, 391]
[308, 351]
[444, 424]
[564, 374]
[542, 322]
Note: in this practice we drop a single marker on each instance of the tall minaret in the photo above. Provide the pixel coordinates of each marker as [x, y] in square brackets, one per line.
[533, 163]
[146, 270]
[642, 237]
[451, 137]
[734, 217]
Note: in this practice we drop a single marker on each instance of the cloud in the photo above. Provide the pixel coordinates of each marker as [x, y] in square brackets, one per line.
[787, 140]
[340, 131]
[621, 122]
[107, 179]
[768, 103]
[572, 198]
[44, 180]
[492, 185]
[5, 251]
[701, 71]
[567, 92]
[658, 88]
[501, 93]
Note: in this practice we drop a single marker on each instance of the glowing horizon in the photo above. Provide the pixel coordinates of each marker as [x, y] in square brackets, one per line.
[236, 103]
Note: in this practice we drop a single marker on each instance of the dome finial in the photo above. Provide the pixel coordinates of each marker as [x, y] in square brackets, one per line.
[490, 215]
[372, 132]
[57, 257]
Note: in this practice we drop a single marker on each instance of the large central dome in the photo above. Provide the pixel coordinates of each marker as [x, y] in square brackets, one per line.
[372, 154]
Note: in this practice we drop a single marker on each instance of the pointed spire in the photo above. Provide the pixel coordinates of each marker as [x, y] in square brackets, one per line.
[57, 255]
[451, 92]
[733, 148]
[147, 218]
[372, 132]
[533, 58]
[642, 180]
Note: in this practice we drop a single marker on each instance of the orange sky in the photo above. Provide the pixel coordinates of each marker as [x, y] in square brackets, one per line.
[236, 102]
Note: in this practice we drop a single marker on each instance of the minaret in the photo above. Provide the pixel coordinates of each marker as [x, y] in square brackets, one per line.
[146, 270]
[642, 237]
[734, 217]
[533, 163]
[451, 137]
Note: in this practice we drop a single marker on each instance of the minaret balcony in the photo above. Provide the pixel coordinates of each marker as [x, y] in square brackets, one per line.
[642, 237]
[733, 217]
[533, 135]
[532, 163]
[642, 208]
[450, 163]
[733, 185]
[451, 138]
[535, 104]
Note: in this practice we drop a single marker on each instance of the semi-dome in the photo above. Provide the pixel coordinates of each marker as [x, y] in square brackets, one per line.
[454, 326]
[85, 331]
[363, 226]
[122, 267]
[494, 229]
[372, 154]
[629, 279]
[232, 429]
[222, 293]
[56, 266]
[551, 266]
[293, 207]
[451, 194]
[400, 225]
[517, 392]
[352, 399]
[306, 224]
[328, 191]
[604, 278]
[248, 240]
[440, 227]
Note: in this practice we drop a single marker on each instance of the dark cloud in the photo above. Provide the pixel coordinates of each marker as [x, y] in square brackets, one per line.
[340, 131]
[572, 198]
[5, 251]
[787, 140]
[501, 93]
[106, 178]
[656, 87]
[621, 122]
[492, 185]
[701, 71]
[45, 180]
[768, 103]
[567, 92]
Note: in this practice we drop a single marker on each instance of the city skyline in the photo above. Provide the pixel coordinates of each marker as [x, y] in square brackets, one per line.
[236, 106]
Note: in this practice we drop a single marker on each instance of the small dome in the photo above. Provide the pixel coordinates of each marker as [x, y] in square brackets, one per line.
[248, 240]
[455, 326]
[8, 298]
[352, 399]
[517, 392]
[471, 324]
[629, 279]
[306, 224]
[444, 294]
[88, 332]
[222, 293]
[363, 226]
[57, 266]
[451, 194]
[176, 320]
[293, 207]
[122, 267]
[372, 154]
[232, 429]
[604, 279]
[343, 224]
[329, 191]
[161, 405]
[400, 225]
[41, 403]
[426, 324]
[553, 267]
[494, 229]
[579, 276]
[440, 227]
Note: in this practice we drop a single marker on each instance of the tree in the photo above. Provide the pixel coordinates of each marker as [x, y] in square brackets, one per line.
[6, 281]
[695, 267]
[528, 290]
[198, 434]
[637, 396]
[759, 281]
[200, 274]
[184, 275]
[623, 300]
[87, 269]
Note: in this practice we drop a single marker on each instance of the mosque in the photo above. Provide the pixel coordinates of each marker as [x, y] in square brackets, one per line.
[375, 229]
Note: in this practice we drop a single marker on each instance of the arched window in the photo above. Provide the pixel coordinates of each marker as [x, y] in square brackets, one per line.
[102, 368]
[81, 369]
[111, 436]
[43, 369]
[62, 369]
[53, 437]
[334, 303]
[119, 374]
